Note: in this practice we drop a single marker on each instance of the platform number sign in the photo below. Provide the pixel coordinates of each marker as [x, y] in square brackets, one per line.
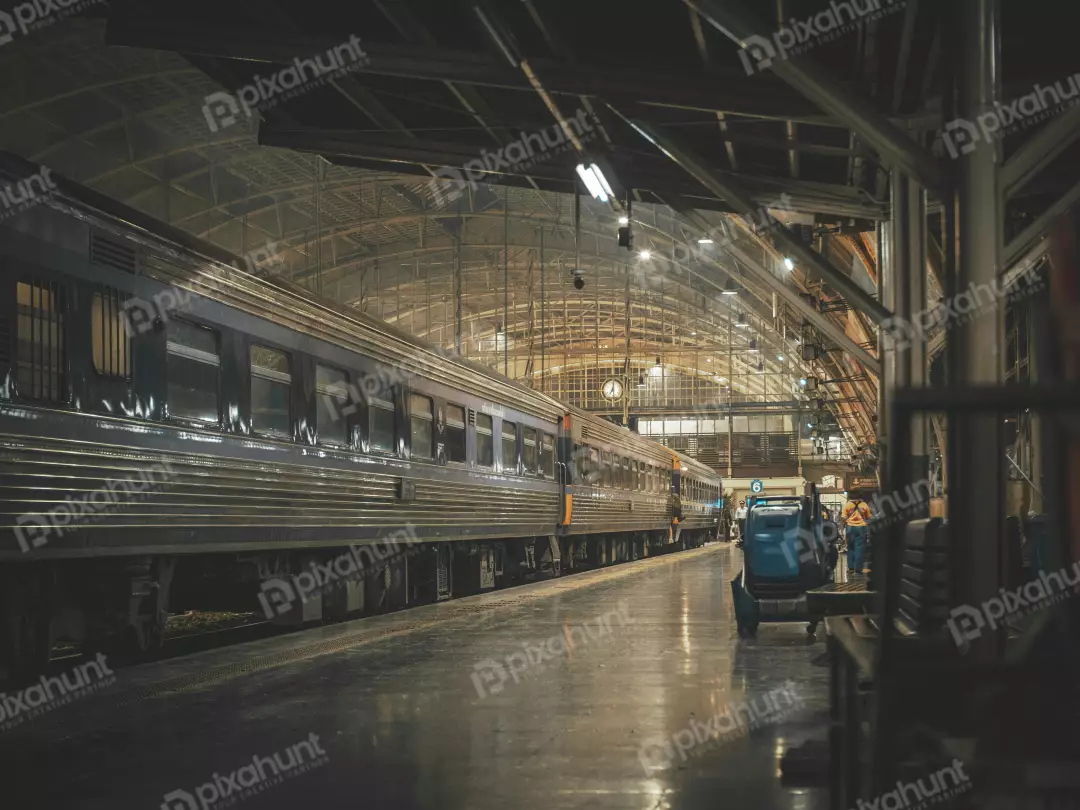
[757, 486]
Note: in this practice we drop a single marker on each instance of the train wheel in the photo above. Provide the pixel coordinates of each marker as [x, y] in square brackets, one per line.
[26, 630]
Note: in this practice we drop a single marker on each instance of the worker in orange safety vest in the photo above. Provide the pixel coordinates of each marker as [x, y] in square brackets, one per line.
[855, 517]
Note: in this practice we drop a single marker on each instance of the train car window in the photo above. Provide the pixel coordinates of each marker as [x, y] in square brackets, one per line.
[627, 481]
[110, 339]
[383, 435]
[332, 405]
[595, 475]
[421, 427]
[271, 387]
[528, 450]
[42, 346]
[455, 433]
[547, 455]
[509, 447]
[485, 447]
[193, 369]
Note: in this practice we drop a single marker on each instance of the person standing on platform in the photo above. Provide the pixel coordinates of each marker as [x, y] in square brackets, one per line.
[855, 517]
[740, 516]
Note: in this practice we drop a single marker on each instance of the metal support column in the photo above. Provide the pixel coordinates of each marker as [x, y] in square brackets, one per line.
[730, 396]
[976, 498]
[887, 383]
[506, 285]
[543, 317]
[457, 282]
[906, 296]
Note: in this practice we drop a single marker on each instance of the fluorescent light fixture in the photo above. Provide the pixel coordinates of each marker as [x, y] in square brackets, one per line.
[693, 333]
[604, 184]
[704, 241]
[788, 263]
[708, 359]
[624, 220]
[730, 289]
[779, 357]
[592, 182]
[742, 321]
[646, 255]
[802, 381]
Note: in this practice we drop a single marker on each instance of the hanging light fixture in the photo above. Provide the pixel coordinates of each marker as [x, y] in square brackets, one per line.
[595, 181]
[729, 288]
[742, 321]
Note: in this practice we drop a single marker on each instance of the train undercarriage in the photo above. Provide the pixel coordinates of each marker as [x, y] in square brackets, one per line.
[120, 606]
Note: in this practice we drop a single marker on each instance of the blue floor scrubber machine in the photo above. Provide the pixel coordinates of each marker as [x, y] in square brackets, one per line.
[788, 550]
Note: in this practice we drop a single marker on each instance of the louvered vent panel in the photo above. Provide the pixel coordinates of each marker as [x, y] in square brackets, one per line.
[110, 253]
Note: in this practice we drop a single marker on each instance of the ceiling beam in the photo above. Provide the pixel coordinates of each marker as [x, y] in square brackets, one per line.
[728, 189]
[1038, 151]
[730, 91]
[845, 104]
[353, 148]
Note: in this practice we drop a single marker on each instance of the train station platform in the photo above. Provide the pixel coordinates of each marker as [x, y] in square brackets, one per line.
[625, 687]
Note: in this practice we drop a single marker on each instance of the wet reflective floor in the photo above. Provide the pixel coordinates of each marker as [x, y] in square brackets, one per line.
[623, 688]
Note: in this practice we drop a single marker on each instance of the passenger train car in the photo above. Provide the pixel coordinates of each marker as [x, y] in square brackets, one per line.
[176, 431]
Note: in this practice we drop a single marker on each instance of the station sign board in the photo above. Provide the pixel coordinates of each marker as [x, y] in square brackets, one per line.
[863, 482]
[757, 486]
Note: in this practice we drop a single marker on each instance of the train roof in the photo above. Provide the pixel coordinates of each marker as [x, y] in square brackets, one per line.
[693, 465]
[596, 427]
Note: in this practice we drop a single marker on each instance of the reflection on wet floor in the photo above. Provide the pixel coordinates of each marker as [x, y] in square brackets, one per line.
[635, 692]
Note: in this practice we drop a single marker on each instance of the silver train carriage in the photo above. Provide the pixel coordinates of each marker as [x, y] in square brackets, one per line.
[177, 431]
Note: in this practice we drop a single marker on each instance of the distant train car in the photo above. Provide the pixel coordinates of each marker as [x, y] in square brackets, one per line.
[697, 490]
[617, 481]
[176, 431]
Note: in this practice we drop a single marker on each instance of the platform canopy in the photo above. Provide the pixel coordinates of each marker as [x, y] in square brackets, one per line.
[419, 161]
